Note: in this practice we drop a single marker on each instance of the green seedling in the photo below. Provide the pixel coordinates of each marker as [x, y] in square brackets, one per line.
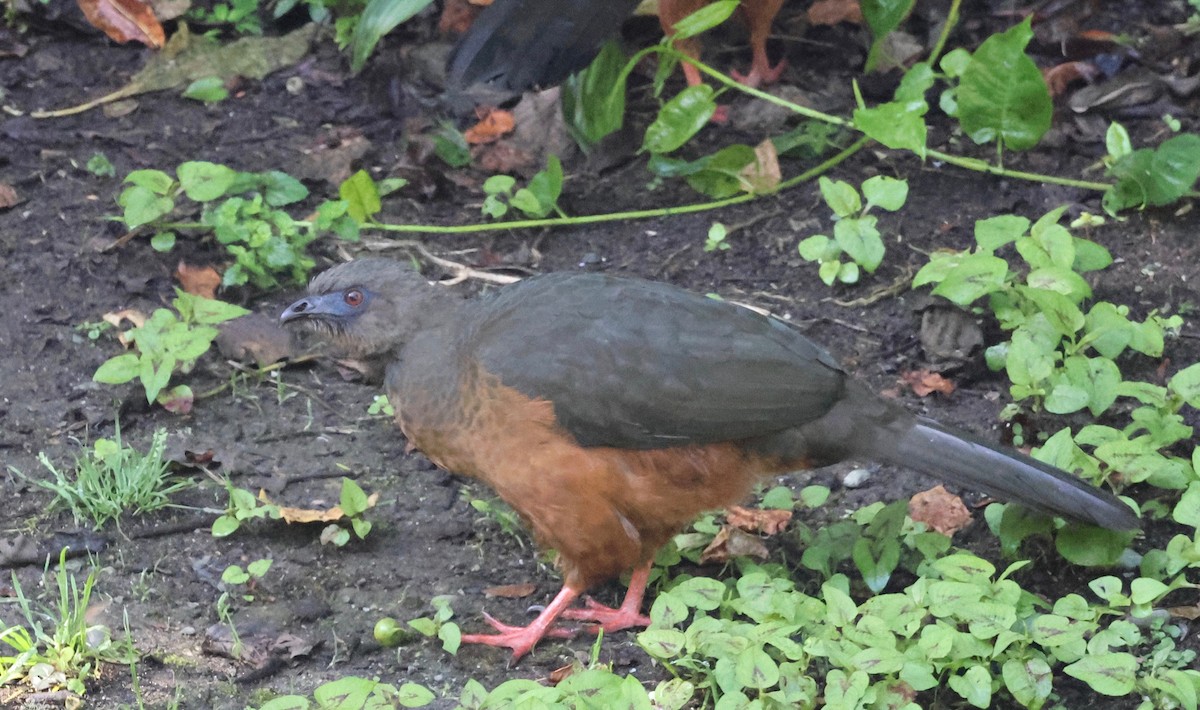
[536, 200]
[855, 234]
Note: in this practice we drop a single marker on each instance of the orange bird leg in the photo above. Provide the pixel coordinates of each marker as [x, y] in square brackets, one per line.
[760, 14]
[522, 639]
[628, 615]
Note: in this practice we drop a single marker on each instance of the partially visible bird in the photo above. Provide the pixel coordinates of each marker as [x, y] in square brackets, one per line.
[517, 44]
[609, 412]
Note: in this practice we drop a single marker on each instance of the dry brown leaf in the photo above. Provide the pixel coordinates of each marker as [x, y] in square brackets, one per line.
[1185, 612]
[730, 542]
[762, 177]
[312, 515]
[510, 591]
[493, 123]
[115, 318]
[940, 510]
[758, 520]
[832, 12]
[8, 196]
[1060, 76]
[502, 157]
[457, 16]
[124, 21]
[924, 382]
[558, 675]
[333, 155]
[198, 280]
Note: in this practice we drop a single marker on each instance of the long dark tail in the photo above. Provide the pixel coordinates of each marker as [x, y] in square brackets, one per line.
[961, 458]
[516, 44]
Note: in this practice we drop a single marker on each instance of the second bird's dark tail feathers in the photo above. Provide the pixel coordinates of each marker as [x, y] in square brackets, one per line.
[960, 458]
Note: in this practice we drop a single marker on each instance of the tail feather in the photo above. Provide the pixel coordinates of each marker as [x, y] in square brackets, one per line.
[963, 459]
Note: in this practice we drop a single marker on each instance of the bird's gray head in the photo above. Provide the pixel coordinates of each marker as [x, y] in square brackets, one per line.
[368, 307]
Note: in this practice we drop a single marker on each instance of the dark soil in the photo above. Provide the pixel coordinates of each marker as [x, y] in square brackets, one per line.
[298, 434]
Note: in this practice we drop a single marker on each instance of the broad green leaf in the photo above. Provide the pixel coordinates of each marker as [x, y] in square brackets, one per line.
[210, 90]
[361, 196]
[897, 125]
[593, 100]
[204, 182]
[859, 238]
[704, 19]
[883, 17]
[972, 278]
[1090, 546]
[155, 181]
[975, 686]
[1187, 510]
[1112, 674]
[886, 192]
[1028, 680]
[815, 248]
[1186, 383]
[118, 370]
[841, 197]
[1002, 95]
[679, 119]
[143, 206]
[281, 189]
[377, 19]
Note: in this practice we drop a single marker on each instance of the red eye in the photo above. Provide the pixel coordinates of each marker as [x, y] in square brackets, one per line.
[353, 297]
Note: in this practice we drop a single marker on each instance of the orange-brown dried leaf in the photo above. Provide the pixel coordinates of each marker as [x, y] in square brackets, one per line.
[457, 16]
[116, 318]
[832, 12]
[924, 382]
[510, 591]
[558, 675]
[124, 21]
[198, 280]
[503, 157]
[313, 515]
[1185, 612]
[1060, 76]
[940, 510]
[758, 520]
[493, 123]
[730, 542]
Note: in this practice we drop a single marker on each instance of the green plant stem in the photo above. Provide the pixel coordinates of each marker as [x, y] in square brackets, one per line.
[983, 166]
[951, 22]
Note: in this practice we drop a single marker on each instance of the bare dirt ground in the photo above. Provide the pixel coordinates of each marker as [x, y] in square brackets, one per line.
[297, 435]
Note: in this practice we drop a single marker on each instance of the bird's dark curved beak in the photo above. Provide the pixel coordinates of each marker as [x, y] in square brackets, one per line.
[325, 305]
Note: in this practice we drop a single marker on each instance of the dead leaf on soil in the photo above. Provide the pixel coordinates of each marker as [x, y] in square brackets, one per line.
[116, 318]
[186, 58]
[558, 675]
[832, 12]
[493, 123]
[198, 280]
[511, 591]
[333, 155]
[313, 515]
[758, 520]
[1060, 76]
[762, 177]
[940, 510]
[503, 157]
[8, 196]
[730, 542]
[124, 21]
[1185, 612]
[255, 337]
[925, 383]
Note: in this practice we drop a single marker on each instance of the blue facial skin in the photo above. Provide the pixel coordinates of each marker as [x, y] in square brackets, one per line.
[335, 305]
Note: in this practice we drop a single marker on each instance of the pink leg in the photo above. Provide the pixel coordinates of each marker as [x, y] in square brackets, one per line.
[522, 639]
[629, 615]
[759, 20]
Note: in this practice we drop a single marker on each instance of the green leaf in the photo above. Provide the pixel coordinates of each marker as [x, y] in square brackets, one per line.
[281, 189]
[995, 232]
[593, 100]
[1002, 95]
[897, 125]
[210, 90]
[702, 593]
[883, 17]
[1111, 674]
[377, 19]
[1187, 510]
[143, 206]
[412, 695]
[1117, 141]
[354, 500]
[841, 197]
[972, 278]
[754, 668]
[704, 19]
[1090, 256]
[975, 686]
[662, 643]
[859, 238]
[1028, 680]
[886, 192]
[204, 182]
[680, 118]
[815, 248]
[118, 370]
[155, 181]
[258, 568]
[163, 241]
[1155, 177]
[545, 187]
[225, 526]
[1186, 384]
[361, 196]
[1090, 546]
[828, 271]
